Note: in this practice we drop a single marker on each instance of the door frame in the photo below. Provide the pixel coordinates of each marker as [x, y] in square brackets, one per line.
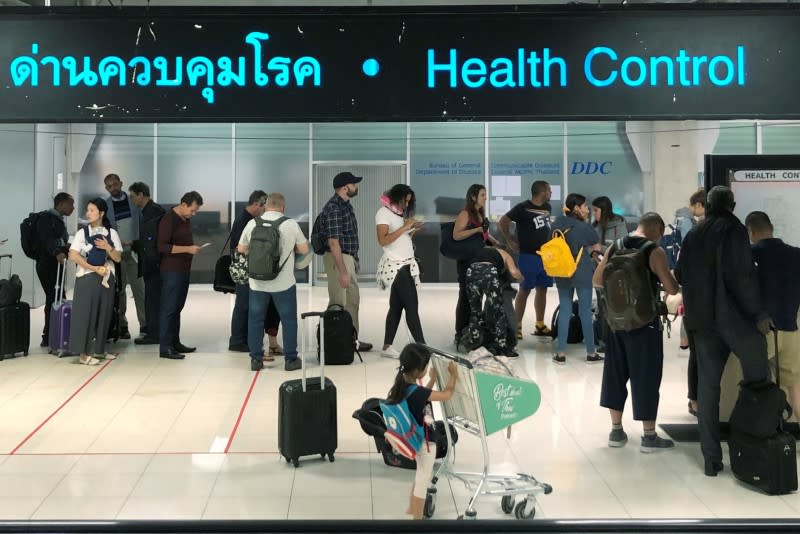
[313, 164]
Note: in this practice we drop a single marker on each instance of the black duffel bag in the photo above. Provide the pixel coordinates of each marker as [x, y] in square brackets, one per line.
[459, 250]
[223, 282]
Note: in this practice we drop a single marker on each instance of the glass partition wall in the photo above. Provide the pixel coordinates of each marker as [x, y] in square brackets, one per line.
[225, 162]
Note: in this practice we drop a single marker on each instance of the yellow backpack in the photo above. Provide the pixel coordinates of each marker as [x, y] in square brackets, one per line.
[557, 256]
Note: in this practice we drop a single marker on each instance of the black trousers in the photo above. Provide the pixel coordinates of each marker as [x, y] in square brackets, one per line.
[462, 307]
[636, 356]
[152, 304]
[713, 348]
[47, 272]
[403, 296]
[691, 370]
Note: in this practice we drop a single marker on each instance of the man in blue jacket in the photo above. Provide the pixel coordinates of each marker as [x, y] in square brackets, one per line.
[778, 267]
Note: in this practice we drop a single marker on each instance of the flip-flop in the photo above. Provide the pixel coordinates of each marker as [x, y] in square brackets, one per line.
[89, 361]
[276, 350]
[107, 356]
[268, 358]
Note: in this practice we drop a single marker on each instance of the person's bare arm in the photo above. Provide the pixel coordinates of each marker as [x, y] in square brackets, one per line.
[597, 277]
[447, 394]
[505, 226]
[460, 230]
[659, 265]
[301, 248]
[510, 265]
[386, 238]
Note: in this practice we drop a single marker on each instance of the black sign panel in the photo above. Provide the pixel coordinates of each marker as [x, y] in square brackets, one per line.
[377, 65]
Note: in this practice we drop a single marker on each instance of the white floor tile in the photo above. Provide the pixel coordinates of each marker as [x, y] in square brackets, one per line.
[96, 507]
[145, 439]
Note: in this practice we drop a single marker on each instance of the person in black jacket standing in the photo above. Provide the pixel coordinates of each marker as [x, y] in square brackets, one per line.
[52, 237]
[724, 311]
[146, 248]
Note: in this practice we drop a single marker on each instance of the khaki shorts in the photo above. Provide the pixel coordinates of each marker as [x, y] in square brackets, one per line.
[788, 354]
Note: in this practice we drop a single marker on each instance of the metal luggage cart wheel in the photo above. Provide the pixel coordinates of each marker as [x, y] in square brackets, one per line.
[525, 509]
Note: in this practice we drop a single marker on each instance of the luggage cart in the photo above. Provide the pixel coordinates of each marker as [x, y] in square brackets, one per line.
[482, 404]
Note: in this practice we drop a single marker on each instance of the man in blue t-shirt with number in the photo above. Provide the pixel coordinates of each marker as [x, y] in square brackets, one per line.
[533, 230]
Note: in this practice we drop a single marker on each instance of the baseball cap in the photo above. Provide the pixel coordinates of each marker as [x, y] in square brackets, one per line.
[344, 178]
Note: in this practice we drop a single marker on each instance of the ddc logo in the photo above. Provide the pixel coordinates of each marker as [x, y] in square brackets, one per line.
[591, 167]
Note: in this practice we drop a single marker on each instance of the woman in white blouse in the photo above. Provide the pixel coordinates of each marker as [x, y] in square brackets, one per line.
[94, 250]
[398, 269]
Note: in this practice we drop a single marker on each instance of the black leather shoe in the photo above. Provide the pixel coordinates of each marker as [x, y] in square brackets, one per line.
[144, 340]
[363, 346]
[172, 355]
[712, 468]
[256, 364]
[292, 365]
[180, 347]
[44, 343]
[125, 334]
[239, 347]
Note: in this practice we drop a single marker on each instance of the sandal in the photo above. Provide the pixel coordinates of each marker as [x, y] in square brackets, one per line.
[542, 331]
[88, 360]
[268, 358]
[107, 356]
[276, 350]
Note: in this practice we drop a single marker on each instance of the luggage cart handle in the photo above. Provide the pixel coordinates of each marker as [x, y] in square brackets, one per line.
[454, 357]
[311, 314]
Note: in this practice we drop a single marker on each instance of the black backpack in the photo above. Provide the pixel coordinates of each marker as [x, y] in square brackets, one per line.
[264, 257]
[340, 337]
[29, 236]
[319, 243]
[575, 331]
[630, 302]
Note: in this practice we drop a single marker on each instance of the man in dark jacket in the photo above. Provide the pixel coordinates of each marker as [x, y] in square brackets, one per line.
[724, 310]
[52, 237]
[778, 267]
[146, 248]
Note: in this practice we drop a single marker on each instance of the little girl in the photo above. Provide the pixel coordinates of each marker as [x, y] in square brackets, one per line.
[414, 360]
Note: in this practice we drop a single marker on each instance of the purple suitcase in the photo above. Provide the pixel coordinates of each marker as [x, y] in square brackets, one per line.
[60, 315]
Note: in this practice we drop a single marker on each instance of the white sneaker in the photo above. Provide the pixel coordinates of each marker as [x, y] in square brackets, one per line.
[391, 352]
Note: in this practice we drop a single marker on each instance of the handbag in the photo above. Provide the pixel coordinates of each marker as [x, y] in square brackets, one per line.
[238, 269]
[459, 250]
[223, 282]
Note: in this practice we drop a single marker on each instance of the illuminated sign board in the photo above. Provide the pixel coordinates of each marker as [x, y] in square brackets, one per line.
[358, 64]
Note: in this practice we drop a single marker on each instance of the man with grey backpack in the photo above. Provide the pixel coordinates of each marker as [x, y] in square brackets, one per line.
[270, 242]
[629, 274]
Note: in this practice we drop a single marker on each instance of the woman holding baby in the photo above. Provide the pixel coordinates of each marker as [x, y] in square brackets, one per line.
[95, 249]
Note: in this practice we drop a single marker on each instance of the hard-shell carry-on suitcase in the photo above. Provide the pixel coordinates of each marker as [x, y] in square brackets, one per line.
[307, 411]
[60, 317]
[769, 464]
[15, 325]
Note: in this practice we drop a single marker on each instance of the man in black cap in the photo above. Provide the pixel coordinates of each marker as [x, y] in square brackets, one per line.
[337, 223]
[724, 311]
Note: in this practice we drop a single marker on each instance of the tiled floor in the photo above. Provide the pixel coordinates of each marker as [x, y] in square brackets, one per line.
[145, 438]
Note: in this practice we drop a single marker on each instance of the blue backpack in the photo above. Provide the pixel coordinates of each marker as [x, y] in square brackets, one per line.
[403, 433]
[96, 256]
[671, 243]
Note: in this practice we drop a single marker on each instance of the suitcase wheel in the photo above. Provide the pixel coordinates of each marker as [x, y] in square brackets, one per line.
[296, 462]
[330, 457]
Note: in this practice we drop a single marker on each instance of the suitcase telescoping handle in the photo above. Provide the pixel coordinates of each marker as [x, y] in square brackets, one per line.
[61, 278]
[303, 317]
[10, 263]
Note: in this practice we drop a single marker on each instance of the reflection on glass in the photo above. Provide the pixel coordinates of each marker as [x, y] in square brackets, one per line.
[198, 157]
[373, 141]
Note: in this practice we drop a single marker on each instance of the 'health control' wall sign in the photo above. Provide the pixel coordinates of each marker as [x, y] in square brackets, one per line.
[378, 65]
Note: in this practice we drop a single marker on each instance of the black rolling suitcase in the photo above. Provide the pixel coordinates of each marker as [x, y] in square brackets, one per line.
[15, 321]
[768, 463]
[307, 410]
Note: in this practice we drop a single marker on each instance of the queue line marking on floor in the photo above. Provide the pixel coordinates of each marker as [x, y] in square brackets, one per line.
[49, 417]
[241, 412]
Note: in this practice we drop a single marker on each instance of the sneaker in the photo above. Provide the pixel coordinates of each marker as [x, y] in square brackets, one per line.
[594, 358]
[256, 364]
[292, 365]
[363, 346]
[655, 443]
[391, 352]
[560, 359]
[238, 347]
[617, 438]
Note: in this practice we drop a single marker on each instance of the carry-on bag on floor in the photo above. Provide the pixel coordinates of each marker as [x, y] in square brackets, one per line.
[15, 323]
[340, 336]
[115, 327]
[307, 410]
[60, 317]
[767, 463]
